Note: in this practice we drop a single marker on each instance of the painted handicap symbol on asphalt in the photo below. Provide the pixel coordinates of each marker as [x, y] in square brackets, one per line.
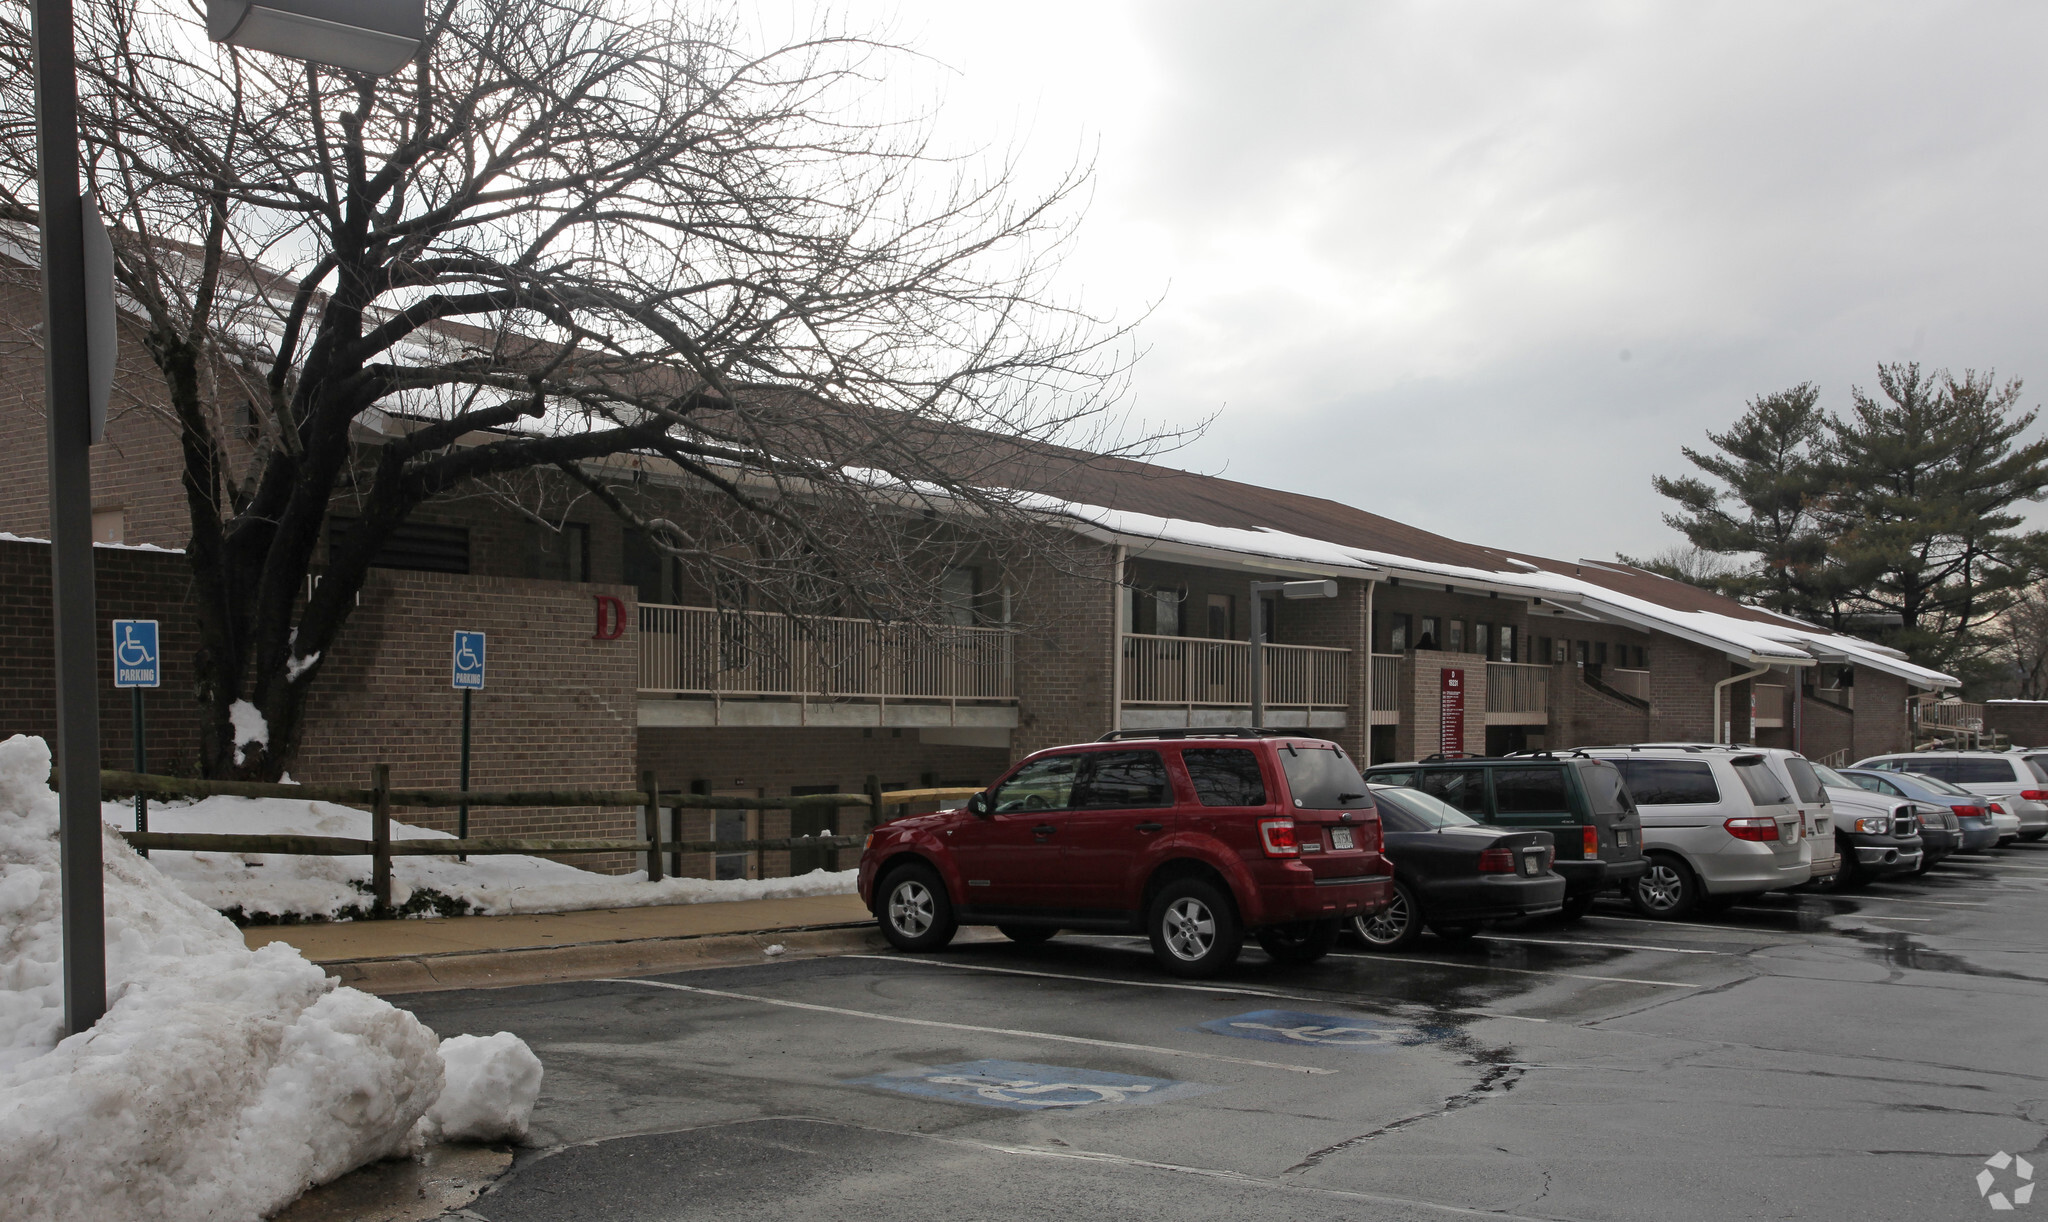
[1024, 1087]
[1317, 1030]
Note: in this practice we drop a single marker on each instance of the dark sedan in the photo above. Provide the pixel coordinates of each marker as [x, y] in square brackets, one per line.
[1454, 875]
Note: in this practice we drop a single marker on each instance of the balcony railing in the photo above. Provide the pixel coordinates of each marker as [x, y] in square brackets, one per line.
[1628, 682]
[703, 651]
[1386, 682]
[1517, 687]
[1954, 716]
[1193, 672]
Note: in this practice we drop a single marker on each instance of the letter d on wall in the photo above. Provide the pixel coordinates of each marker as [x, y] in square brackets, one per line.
[611, 618]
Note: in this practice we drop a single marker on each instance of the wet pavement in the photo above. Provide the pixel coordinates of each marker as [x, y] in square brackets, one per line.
[1799, 1056]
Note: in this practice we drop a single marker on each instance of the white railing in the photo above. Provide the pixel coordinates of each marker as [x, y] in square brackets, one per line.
[1629, 682]
[1386, 682]
[709, 652]
[1194, 672]
[1953, 715]
[1517, 687]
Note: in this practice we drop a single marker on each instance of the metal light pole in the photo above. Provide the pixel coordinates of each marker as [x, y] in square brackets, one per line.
[1286, 589]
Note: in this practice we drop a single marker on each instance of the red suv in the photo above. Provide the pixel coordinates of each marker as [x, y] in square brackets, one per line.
[1193, 837]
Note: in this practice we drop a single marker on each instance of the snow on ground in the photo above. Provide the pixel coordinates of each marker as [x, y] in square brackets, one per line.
[280, 885]
[221, 1082]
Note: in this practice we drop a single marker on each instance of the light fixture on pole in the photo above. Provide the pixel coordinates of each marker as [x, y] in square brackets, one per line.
[1286, 589]
[373, 36]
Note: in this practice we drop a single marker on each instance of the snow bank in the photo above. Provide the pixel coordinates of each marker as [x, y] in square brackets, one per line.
[220, 1084]
[323, 888]
[492, 1082]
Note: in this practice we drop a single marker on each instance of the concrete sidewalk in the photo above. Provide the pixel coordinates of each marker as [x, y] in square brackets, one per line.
[485, 951]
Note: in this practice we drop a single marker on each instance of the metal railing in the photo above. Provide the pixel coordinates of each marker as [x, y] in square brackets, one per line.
[1386, 682]
[1628, 682]
[1517, 687]
[1955, 716]
[704, 651]
[1195, 672]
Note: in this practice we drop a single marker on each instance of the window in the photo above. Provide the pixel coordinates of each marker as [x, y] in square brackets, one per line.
[1454, 639]
[650, 571]
[1397, 633]
[109, 526]
[1464, 788]
[1530, 791]
[1042, 784]
[733, 825]
[1507, 642]
[2039, 765]
[1585, 652]
[1222, 617]
[562, 555]
[1805, 782]
[1669, 782]
[1993, 771]
[1424, 813]
[1762, 784]
[959, 587]
[1428, 636]
[1322, 778]
[1482, 640]
[1269, 619]
[1940, 767]
[422, 547]
[1225, 776]
[1605, 787]
[1166, 611]
[1563, 651]
[1393, 778]
[1642, 658]
[1116, 780]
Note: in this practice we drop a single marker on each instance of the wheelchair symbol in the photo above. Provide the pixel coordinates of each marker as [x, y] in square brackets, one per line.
[465, 657]
[1028, 1093]
[129, 650]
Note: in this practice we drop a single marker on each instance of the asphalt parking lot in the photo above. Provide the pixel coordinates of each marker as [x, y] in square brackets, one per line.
[1802, 1056]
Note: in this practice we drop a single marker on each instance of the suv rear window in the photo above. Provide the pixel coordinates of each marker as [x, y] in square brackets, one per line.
[1464, 788]
[2036, 762]
[1670, 782]
[1762, 784]
[1980, 771]
[1225, 776]
[1604, 786]
[1322, 778]
[1804, 782]
[1530, 791]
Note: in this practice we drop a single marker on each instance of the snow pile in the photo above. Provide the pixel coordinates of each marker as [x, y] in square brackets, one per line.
[220, 1084]
[492, 1083]
[272, 885]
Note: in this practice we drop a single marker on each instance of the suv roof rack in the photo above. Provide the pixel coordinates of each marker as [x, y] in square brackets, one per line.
[1201, 732]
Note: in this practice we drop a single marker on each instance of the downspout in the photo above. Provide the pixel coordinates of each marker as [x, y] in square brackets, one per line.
[1118, 609]
[1723, 686]
[1369, 706]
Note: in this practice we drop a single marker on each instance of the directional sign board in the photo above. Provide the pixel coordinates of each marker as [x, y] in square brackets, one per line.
[136, 658]
[468, 662]
[1021, 1087]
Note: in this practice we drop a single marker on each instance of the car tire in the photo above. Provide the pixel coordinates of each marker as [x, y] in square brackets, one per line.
[913, 909]
[1577, 906]
[1716, 904]
[1394, 927]
[1194, 928]
[1301, 941]
[1667, 891]
[1455, 933]
[1028, 935]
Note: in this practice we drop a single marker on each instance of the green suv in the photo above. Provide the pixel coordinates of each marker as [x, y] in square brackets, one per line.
[1581, 801]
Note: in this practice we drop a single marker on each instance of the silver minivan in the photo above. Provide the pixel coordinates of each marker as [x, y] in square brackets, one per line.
[2014, 778]
[1718, 824]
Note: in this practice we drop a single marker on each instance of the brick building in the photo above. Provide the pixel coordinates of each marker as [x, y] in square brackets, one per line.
[604, 662]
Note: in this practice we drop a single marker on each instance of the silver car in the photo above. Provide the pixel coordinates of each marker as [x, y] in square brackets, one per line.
[2014, 781]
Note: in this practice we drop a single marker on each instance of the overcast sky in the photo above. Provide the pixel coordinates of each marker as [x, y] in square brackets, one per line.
[1485, 267]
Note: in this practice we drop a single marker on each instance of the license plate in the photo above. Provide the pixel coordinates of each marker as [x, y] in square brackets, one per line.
[1532, 865]
[1621, 840]
[1340, 838]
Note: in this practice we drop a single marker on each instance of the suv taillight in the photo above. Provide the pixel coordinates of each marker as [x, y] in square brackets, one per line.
[1592, 841]
[1497, 861]
[2035, 795]
[1277, 837]
[1968, 812]
[1752, 827]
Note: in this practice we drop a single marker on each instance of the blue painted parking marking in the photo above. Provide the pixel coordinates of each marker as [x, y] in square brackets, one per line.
[1023, 1087]
[1319, 1030]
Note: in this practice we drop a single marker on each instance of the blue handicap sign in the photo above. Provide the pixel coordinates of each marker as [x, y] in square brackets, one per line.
[1023, 1087]
[469, 661]
[135, 654]
[1318, 1030]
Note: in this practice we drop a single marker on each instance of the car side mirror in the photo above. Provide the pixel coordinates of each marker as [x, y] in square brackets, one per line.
[977, 804]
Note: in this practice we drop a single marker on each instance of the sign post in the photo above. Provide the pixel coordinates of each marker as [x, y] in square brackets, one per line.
[138, 666]
[467, 677]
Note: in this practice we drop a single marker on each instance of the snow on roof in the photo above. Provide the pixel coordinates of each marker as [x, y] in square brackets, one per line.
[119, 547]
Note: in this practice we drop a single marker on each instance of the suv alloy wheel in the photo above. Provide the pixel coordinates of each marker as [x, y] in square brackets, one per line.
[916, 915]
[1194, 929]
[1667, 890]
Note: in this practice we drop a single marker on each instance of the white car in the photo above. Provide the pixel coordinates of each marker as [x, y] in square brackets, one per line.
[2012, 779]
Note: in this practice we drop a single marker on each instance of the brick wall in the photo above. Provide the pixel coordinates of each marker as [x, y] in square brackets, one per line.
[130, 584]
[1066, 650]
[1825, 729]
[1880, 715]
[1582, 715]
[1339, 623]
[2023, 722]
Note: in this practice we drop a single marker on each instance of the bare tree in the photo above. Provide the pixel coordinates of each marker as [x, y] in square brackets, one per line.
[572, 230]
[2022, 648]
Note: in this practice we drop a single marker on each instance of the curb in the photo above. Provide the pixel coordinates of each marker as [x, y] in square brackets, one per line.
[487, 969]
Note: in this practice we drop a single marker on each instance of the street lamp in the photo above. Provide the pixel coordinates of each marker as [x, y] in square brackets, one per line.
[1286, 589]
[373, 36]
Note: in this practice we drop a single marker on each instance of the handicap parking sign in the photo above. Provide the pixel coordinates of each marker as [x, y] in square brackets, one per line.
[135, 654]
[1317, 1030]
[1019, 1086]
[469, 662]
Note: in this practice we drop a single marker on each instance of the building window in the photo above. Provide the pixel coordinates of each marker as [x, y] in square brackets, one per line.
[1482, 640]
[1398, 627]
[109, 526]
[1454, 641]
[1507, 642]
[1585, 652]
[1222, 617]
[1600, 653]
[1269, 619]
[421, 547]
[1166, 611]
[959, 588]
[562, 555]
[1429, 636]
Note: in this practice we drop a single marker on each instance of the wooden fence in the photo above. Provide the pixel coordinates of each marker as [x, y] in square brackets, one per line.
[380, 799]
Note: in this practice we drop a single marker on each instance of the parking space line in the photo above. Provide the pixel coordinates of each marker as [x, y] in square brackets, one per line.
[933, 1022]
[1859, 916]
[1674, 950]
[1888, 899]
[1724, 929]
[1326, 997]
[1521, 971]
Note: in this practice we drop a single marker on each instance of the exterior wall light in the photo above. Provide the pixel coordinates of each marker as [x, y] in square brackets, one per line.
[374, 36]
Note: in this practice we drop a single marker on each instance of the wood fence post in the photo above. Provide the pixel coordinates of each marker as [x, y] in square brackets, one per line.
[647, 787]
[380, 840]
[874, 790]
